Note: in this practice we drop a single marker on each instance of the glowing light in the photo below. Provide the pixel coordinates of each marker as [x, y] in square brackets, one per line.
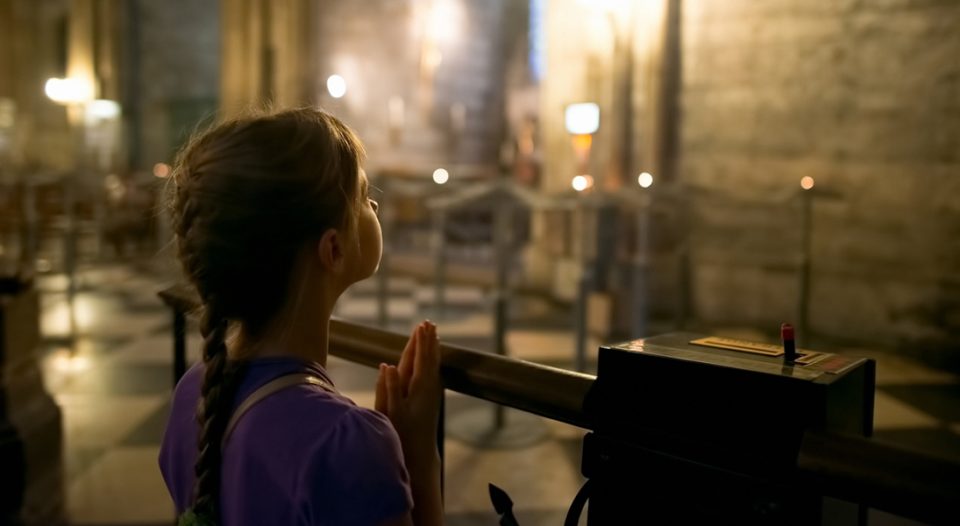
[59, 320]
[806, 182]
[336, 86]
[68, 91]
[441, 176]
[114, 187]
[607, 5]
[645, 180]
[161, 170]
[104, 109]
[581, 182]
[65, 362]
[444, 22]
[582, 118]
[8, 112]
[581, 143]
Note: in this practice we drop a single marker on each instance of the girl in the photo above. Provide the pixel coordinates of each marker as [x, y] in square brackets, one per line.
[273, 222]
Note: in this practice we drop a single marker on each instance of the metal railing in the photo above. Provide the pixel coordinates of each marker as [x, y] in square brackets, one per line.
[857, 469]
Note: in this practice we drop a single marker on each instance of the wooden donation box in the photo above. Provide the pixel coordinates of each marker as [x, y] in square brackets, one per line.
[698, 430]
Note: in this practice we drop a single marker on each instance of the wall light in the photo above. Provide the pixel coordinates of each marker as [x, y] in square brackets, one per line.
[806, 182]
[336, 86]
[103, 109]
[582, 118]
[645, 180]
[441, 176]
[444, 22]
[68, 91]
[581, 182]
[161, 170]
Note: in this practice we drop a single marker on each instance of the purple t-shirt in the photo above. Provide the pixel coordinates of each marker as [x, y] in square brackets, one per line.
[300, 456]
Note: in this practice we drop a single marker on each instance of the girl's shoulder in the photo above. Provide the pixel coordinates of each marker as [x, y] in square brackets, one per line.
[359, 471]
[303, 416]
[322, 418]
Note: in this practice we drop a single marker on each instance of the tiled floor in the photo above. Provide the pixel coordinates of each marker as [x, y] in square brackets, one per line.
[114, 391]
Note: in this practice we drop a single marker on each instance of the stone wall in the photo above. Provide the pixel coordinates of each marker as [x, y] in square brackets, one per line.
[29, 33]
[378, 47]
[863, 96]
[174, 67]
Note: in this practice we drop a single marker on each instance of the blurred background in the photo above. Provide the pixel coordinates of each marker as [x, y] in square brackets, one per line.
[553, 174]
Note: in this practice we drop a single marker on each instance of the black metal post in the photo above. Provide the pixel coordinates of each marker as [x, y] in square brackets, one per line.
[584, 286]
[440, 262]
[383, 273]
[641, 269]
[803, 298]
[179, 345]
[501, 240]
[29, 235]
[70, 254]
[441, 438]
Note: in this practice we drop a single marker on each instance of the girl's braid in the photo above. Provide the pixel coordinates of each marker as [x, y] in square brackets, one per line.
[221, 379]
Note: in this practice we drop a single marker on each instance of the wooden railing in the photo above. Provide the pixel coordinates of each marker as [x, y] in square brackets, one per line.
[861, 470]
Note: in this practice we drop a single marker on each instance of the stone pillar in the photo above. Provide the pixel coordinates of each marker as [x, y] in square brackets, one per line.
[622, 60]
[656, 93]
[294, 59]
[7, 88]
[267, 53]
[32, 478]
[240, 54]
[27, 58]
[81, 44]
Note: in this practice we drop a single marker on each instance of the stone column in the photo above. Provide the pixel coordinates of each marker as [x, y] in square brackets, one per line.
[266, 53]
[623, 61]
[240, 54]
[7, 89]
[294, 58]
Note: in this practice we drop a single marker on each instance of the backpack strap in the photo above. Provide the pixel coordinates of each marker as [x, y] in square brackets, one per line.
[267, 389]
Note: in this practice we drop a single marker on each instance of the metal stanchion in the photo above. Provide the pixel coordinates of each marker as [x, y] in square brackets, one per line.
[685, 264]
[70, 254]
[28, 236]
[509, 429]
[501, 239]
[439, 241]
[383, 273]
[584, 285]
[803, 296]
[580, 321]
[641, 268]
[179, 345]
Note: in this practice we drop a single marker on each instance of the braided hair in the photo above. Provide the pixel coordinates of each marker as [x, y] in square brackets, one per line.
[248, 195]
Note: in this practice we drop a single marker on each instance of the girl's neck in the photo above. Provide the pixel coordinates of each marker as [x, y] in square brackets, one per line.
[302, 330]
[307, 341]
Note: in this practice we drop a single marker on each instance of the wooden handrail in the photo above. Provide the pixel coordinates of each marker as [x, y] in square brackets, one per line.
[551, 392]
[863, 470]
[555, 393]
[882, 476]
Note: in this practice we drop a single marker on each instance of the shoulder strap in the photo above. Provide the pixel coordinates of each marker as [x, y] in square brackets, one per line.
[267, 389]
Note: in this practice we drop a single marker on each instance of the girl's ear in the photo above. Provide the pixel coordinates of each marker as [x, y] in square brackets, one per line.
[330, 250]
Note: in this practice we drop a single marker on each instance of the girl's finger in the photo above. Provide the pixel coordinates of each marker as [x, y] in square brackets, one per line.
[380, 400]
[405, 367]
[423, 343]
[433, 349]
[394, 396]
